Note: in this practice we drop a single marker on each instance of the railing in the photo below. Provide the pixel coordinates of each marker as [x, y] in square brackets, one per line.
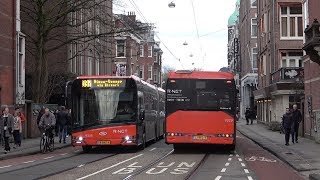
[288, 74]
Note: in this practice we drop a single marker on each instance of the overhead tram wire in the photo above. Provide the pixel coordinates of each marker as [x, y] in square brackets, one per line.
[197, 29]
[145, 19]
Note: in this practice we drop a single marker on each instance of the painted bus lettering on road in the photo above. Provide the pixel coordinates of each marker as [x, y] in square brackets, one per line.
[263, 159]
[181, 168]
[128, 170]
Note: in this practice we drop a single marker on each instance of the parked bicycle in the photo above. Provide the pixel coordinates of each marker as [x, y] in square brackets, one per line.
[47, 142]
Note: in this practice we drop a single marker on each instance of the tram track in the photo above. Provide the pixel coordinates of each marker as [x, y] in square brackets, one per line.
[194, 170]
[148, 166]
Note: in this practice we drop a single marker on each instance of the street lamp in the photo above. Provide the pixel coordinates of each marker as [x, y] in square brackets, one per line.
[172, 4]
[312, 44]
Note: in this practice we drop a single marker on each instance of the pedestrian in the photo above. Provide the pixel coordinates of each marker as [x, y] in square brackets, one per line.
[297, 118]
[287, 123]
[56, 128]
[17, 129]
[62, 121]
[247, 115]
[6, 124]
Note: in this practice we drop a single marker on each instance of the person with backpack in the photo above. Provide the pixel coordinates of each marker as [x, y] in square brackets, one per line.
[63, 121]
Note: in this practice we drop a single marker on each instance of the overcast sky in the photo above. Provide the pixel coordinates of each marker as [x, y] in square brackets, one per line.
[176, 25]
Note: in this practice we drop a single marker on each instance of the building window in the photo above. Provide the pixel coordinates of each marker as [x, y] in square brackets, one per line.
[149, 51]
[253, 3]
[291, 22]
[150, 72]
[21, 60]
[254, 52]
[291, 59]
[120, 48]
[74, 58]
[141, 50]
[81, 65]
[90, 27]
[254, 28]
[97, 65]
[141, 72]
[90, 62]
[155, 75]
[155, 57]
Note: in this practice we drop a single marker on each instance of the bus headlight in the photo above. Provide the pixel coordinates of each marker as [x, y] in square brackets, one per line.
[80, 138]
[127, 138]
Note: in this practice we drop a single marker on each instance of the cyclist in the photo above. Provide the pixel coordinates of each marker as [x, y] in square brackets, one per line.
[47, 123]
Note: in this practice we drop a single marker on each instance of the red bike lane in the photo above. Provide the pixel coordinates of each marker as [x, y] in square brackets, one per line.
[265, 165]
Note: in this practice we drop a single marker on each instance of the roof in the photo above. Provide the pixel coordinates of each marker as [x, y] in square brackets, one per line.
[233, 18]
[201, 75]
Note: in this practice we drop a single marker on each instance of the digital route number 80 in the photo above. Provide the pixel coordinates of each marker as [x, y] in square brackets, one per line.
[86, 83]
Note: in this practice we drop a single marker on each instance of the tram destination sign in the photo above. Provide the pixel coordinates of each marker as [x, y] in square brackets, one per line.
[103, 83]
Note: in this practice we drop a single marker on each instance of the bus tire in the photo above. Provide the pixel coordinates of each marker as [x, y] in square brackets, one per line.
[86, 149]
[177, 147]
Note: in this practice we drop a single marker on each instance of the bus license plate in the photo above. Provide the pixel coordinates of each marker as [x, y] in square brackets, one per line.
[200, 137]
[103, 142]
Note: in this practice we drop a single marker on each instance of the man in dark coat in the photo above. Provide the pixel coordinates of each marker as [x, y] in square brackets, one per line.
[62, 121]
[287, 123]
[247, 115]
[297, 118]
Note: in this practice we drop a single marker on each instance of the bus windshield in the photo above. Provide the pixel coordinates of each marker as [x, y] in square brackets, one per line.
[196, 94]
[103, 106]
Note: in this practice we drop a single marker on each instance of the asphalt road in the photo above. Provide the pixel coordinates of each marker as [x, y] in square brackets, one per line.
[157, 161]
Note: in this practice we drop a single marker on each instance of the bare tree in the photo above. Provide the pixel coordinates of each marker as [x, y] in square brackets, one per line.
[166, 70]
[54, 25]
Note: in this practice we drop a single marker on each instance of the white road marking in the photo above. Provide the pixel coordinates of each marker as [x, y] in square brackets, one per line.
[237, 155]
[29, 161]
[223, 169]
[231, 155]
[63, 154]
[227, 164]
[5, 166]
[243, 165]
[97, 172]
[250, 178]
[48, 157]
[152, 149]
[218, 178]
[246, 171]
[240, 159]
[77, 150]
[81, 165]
[229, 159]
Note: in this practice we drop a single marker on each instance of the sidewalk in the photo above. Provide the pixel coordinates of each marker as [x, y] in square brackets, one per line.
[29, 147]
[304, 156]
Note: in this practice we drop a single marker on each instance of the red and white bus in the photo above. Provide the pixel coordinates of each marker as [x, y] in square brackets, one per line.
[109, 110]
[201, 108]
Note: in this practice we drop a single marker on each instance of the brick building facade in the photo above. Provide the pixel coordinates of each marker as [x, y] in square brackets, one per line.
[312, 78]
[248, 54]
[7, 51]
[137, 52]
[280, 74]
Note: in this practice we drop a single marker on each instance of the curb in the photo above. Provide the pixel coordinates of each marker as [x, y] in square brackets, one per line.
[32, 152]
[314, 176]
[270, 150]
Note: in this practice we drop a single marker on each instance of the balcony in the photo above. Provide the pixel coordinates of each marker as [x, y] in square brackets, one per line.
[288, 75]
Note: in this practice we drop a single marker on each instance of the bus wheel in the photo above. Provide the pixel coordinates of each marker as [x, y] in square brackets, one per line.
[177, 147]
[86, 149]
[143, 145]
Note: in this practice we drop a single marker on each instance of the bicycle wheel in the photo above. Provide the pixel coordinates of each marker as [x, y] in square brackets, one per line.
[50, 144]
[43, 144]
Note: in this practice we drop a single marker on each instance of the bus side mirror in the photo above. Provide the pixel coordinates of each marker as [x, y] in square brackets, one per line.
[142, 114]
